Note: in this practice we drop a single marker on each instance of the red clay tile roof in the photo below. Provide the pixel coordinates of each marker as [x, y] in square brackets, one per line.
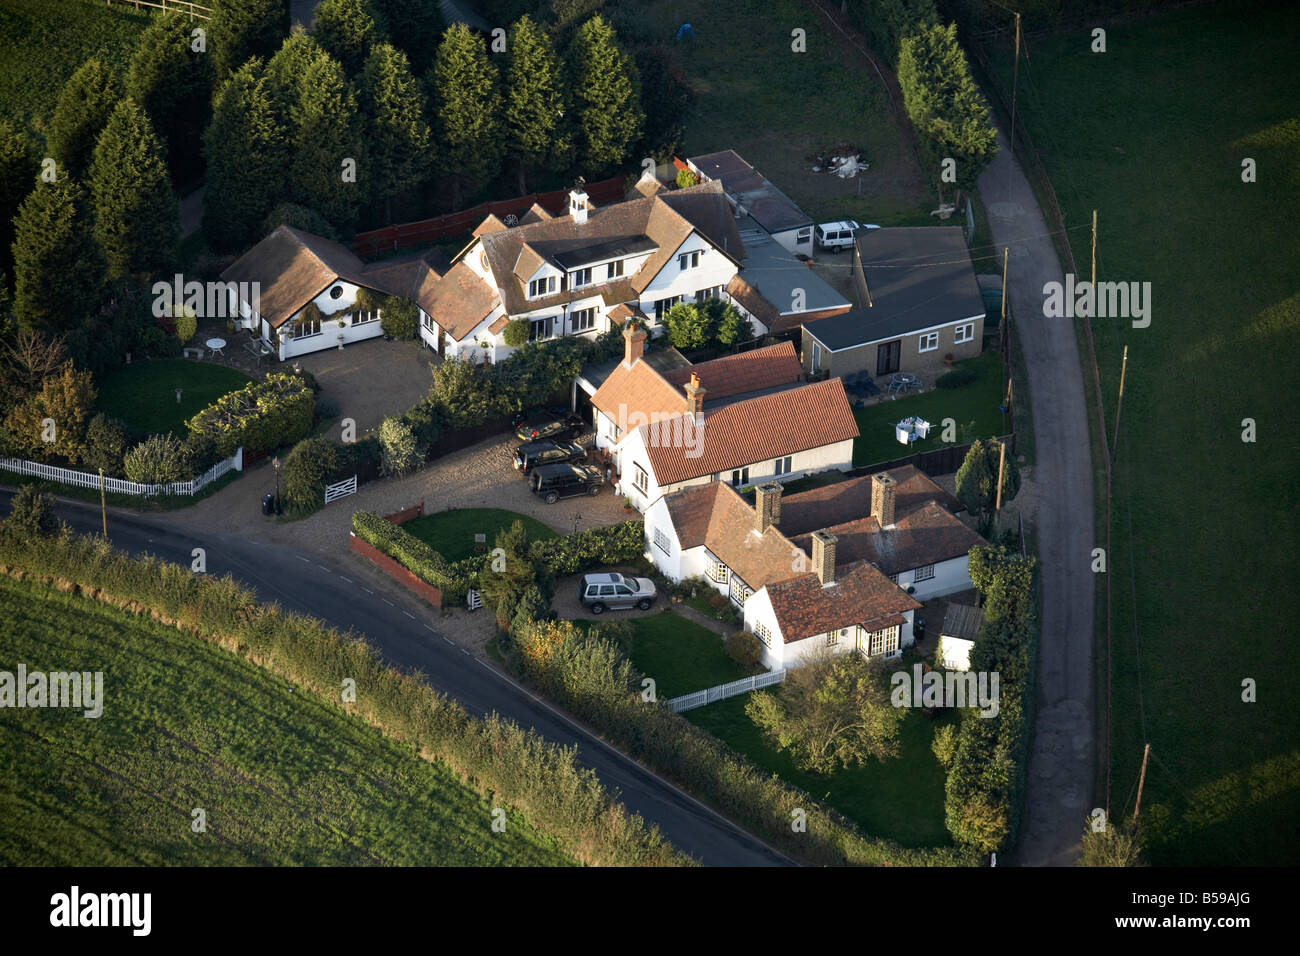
[848, 500]
[638, 389]
[621, 313]
[490, 224]
[860, 595]
[758, 429]
[460, 301]
[928, 535]
[501, 322]
[717, 517]
[743, 372]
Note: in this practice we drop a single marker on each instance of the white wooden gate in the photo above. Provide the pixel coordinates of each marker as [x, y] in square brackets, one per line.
[341, 489]
[473, 600]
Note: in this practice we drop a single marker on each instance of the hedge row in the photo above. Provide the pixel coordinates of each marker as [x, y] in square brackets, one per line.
[495, 756]
[590, 677]
[571, 554]
[260, 416]
[985, 789]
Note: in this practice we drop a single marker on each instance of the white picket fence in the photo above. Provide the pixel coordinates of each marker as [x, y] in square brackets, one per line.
[723, 691]
[341, 489]
[120, 486]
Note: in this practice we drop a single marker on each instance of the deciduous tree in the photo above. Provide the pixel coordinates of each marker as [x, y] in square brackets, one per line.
[53, 421]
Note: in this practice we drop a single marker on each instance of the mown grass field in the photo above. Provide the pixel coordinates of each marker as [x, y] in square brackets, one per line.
[1153, 135]
[451, 533]
[143, 395]
[283, 778]
[45, 41]
[679, 654]
[977, 402]
[901, 799]
[777, 108]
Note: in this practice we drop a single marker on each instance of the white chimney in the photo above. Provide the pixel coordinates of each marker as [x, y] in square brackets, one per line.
[578, 204]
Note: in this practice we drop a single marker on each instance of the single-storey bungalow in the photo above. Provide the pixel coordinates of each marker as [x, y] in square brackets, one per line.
[920, 302]
[753, 197]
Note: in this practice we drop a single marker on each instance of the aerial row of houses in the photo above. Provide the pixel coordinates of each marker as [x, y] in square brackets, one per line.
[840, 567]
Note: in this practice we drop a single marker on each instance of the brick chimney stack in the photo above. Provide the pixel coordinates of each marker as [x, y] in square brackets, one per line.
[882, 499]
[823, 556]
[695, 397]
[633, 344]
[767, 506]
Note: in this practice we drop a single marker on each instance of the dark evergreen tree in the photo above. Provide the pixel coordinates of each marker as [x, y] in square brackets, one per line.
[18, 166]
[607, 93]
[327, 171]
[242, 29]
[397, 135]
[538, 133]
[59, 277]
[171, 80]
[85, 104]
[135, 209]
[248, 158]
[469, 128]
[411, 24]
[347, 30]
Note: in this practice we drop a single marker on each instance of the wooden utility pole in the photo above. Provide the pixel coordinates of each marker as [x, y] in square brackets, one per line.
[1141, 780]
[1094, 252]
[1002, 462]
[1119, 405]
[1015, 79]
[1006, 254]
[103, 505]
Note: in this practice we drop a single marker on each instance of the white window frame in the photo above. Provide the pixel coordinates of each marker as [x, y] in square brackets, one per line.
[883, 641]
[663, 305]
[816, 364]
[804, 236]
[640, 480]
[576, 320]
[833, 637]
[743, 474]
[540, 287]
[614, 270]
[300, 323]
[763, 633]
[662, 541]
[579, 278]
[963, 333]
[538, 328]
[718, 572]
[689, 260]
[924, 573]
[931, 337]
[783, 465]
[712, 292]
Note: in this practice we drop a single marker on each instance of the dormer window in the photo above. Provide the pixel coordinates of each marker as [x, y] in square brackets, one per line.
[688, 260]
[540, 287]
[615, 270]
[581, 277]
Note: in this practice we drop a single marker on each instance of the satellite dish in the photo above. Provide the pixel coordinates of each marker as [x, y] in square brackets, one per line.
[512, 220]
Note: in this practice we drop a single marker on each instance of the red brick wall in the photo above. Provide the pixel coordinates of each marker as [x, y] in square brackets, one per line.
[394, 570]
[406, 514]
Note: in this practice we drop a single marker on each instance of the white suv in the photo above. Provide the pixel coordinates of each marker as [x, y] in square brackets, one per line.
[837, 235]
[596, 592]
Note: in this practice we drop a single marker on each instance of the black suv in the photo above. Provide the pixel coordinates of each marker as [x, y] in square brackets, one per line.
[531, 454]
[546, 423]
[553, 482]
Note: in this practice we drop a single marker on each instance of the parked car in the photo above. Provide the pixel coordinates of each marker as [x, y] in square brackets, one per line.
[546, 423]
[547, 452]
[597, 592]
[553, 482]
[836, 236]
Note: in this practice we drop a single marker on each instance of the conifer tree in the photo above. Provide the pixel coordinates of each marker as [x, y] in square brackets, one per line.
[18, 166]
[327, 171]
[171, 81]
[59, 275]
[469, 129]
[135, 209]
[397, 135]
[242, 29]
[347, 30]
[536, 103]
[607, 94]
[85, 104]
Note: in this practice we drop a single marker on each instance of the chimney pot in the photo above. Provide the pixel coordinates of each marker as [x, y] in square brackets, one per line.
[633, 344]
[695, 396]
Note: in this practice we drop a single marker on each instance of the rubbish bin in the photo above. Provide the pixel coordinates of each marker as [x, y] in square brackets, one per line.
[268, 504]
[918, 628]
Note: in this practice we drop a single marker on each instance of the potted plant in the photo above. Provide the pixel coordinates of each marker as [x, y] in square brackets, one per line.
[627, 503]
[947, 360]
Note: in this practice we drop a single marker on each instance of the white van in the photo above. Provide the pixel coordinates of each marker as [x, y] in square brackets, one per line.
[838, 235]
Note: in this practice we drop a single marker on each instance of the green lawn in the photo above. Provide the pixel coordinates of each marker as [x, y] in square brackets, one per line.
[45, 41]
[143, 395]
[680, 655]
[779, 115]
[283, 778]
[1153, 134]
[977, 402]
[451, 533]
[901, 799]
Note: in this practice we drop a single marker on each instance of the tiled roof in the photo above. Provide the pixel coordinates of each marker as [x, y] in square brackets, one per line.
[490, 224]
[928, 535]
[754, 303]
[848, 500]
[717, 517]
[860, 595]
[758, 429]
[459, 301]
[674, 214]
[292, 267]
[501, 322]
[536, 213]
[638, 389]
[743, 372]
